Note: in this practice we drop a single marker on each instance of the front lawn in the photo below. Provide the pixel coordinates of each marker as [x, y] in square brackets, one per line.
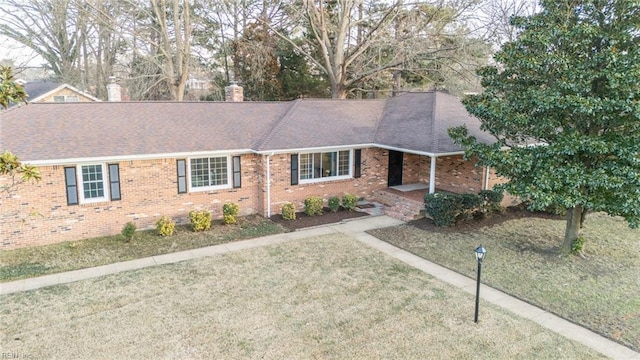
[601, 292]
[50, 259]
[327, 297]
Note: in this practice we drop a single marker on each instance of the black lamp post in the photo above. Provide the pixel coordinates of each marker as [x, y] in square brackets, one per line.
[480, 254]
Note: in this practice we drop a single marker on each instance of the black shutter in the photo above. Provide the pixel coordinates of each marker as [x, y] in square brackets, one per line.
[357, 160]
[237, 179]
[114, 182]
[182, 176]
[72, 185]
[294, 169]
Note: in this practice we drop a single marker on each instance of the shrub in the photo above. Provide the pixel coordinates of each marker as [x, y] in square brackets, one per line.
[334, 203]
[313, 206]
[577, 245]
[470, 205]
[349, 202]
[492, 200]
[443, 208]
[165, 226]
[230, 213]
[128, 230]
[200, 220]
[288, 211]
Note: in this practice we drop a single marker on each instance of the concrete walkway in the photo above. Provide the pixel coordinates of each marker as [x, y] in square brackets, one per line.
[357, 229]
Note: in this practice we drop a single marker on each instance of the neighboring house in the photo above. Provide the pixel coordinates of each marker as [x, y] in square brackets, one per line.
[40, 91]
[105, 164]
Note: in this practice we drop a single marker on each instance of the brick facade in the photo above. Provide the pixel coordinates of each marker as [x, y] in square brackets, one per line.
[38, 214]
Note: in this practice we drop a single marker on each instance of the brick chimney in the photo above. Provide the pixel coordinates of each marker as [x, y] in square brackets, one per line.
[114, 92]
[233, 93]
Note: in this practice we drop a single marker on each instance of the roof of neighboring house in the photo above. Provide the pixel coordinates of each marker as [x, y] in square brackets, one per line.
[72, 132]
[38, 90]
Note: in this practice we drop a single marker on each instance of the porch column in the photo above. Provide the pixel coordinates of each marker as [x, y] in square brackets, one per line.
[432, 176]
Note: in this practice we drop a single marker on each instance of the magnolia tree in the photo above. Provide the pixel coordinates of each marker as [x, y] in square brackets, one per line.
[563, 97]
[17, 173]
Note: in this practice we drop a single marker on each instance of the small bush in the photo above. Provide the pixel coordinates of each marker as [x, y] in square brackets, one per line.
[200, 220]
[288, 211]
[334, 203]
[577, 245]
[313, 206]
[492, 200]
[443, 208]
[470, 205]
[165, 226]
[349, 201]
[128, 230]
[230, 213]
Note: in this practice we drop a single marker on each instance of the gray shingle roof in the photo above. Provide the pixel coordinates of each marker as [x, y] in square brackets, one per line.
[47, 132]
[39, 88]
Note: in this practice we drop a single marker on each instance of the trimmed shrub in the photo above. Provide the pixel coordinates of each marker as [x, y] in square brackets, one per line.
[313, 206]
[230, 213]
[443, 208]
[492, 200]
[200, 220]
[128, 230]
[349, 201]
[165, 226]
[334, 203]
[470, 205]
[288, 211]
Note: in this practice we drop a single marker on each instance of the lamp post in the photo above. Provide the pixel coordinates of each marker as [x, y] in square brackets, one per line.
[480, 254]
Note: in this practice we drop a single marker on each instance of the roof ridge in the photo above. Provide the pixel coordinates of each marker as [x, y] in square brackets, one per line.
[278, 125]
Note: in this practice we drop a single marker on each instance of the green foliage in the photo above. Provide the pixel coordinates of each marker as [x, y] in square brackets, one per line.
[165, 226]
[200, 220]
[568, 84]
[128, 231]
[334, 203]
[313, 206]
[230, 213]
[492, 200]
[10, 91]
[288, 211]
[577, 245]
[18, 172]
[349, 201]
[443, 208]
[470, 204]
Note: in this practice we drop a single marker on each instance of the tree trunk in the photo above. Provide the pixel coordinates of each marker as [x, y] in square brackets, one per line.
[338, 91]
[572, 231]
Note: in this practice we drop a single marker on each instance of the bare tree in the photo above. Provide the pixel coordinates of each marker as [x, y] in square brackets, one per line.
[50, 28]
[355, 40]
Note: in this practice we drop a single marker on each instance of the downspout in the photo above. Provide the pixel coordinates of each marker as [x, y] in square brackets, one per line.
[269, 185]
[432, 176]
[486, 178]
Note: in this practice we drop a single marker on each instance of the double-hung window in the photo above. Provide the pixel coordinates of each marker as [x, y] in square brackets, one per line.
[209, 173]
[92, 183]
[325, 165]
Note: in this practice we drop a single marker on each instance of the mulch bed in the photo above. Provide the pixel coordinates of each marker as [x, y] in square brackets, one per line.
[510, 213]
[304, 221]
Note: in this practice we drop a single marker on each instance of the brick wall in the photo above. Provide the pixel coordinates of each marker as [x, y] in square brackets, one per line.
[373, 170]
[38, 214]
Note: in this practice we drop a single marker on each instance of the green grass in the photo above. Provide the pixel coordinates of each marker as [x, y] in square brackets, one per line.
[43, 260]
[601, 292]
[325, 297]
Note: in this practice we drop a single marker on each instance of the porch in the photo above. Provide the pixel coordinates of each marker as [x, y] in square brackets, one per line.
[403, 202]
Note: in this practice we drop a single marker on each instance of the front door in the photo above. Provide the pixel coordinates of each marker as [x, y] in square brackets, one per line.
[395, 168]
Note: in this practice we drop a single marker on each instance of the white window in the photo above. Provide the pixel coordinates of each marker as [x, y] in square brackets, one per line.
[329, 165]
[209, 173]
[93, 186]
[65, 98]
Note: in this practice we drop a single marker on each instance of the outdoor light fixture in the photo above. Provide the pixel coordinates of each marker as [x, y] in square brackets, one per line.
[480, 254]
